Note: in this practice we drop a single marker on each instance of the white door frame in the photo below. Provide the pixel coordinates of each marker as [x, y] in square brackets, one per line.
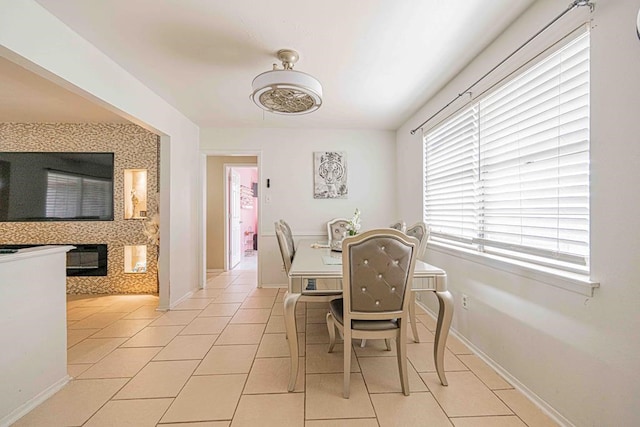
[203, 220]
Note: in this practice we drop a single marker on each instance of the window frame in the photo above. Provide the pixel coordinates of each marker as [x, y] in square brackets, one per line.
[520, 261]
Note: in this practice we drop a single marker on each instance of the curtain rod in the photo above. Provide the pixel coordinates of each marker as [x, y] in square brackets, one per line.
[573, 5]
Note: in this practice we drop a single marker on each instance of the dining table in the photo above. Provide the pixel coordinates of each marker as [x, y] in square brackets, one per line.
[316, 275]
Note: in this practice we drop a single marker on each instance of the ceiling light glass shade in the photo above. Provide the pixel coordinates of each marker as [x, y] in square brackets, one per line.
[287, 92]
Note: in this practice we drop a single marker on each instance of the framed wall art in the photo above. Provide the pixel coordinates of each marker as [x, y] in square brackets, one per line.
[330, 175]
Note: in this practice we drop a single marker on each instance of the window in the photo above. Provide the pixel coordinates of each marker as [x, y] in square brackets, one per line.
[74, 196]
[508, 175]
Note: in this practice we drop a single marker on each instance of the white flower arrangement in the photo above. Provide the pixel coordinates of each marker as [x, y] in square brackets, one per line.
[354, 223]
[152, 229]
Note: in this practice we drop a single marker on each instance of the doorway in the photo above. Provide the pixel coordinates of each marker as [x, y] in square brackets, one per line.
[216, 167]
[242, 217]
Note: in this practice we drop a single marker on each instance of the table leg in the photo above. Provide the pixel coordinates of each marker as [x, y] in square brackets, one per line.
[290, 301]
[445, 314]
[412, 317]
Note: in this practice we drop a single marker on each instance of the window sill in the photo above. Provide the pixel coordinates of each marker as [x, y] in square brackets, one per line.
[573, 282]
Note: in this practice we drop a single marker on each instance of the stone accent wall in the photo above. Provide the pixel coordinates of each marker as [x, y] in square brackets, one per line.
[133, 148]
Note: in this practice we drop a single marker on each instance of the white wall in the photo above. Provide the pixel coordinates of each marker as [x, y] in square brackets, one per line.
[33, 361]
[38, 41]
[580, 355]
[287, 161]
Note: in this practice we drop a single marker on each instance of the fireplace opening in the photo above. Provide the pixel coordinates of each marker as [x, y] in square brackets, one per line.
[87, 260]
[84, 260]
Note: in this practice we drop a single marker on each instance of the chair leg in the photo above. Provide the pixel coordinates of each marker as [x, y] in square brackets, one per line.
[387, 341]
[286, 336]
[331, 326]
[401, 347]
[347, 362]
[363, 343]
[412, 317]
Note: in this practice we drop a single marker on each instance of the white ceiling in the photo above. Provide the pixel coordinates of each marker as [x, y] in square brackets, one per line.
[378, 60]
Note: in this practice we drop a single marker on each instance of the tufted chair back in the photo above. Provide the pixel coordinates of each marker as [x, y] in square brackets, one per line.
[285, 250]
[420, 231]
[337, 229]
[378, 268]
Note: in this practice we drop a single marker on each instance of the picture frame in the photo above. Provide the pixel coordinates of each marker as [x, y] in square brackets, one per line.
[330, 175]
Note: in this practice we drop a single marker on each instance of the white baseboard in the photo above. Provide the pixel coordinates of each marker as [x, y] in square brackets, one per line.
[215, 270]
[184, 298]
[534, 398]
[28, 406]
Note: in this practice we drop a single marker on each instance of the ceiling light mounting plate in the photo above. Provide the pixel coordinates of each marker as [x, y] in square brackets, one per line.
[288, 57]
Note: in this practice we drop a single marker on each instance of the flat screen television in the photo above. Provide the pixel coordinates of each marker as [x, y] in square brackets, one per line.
[50, 186]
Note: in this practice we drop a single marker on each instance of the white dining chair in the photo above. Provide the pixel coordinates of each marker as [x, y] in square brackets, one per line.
[400, 225]
[286, 250]
[288, 235]
[420, 231]
[336, 231]
[377, 269]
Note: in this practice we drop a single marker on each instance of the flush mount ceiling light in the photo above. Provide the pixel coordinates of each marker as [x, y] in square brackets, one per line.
[285, 91]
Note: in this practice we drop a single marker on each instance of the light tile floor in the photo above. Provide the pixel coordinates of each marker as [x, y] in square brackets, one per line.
[220, 358]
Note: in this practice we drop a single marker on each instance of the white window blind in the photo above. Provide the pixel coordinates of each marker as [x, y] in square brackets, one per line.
[509, 174]
[451, 173]
[63, 195]
[73, 196]
[96, 198]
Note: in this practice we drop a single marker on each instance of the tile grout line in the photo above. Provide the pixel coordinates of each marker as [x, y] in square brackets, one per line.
[239, 282]
[110, 399]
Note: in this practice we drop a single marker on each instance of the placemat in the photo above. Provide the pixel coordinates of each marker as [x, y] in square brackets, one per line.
[329, 260]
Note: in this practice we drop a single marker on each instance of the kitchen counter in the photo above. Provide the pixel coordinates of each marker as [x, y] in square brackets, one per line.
[33, 328]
